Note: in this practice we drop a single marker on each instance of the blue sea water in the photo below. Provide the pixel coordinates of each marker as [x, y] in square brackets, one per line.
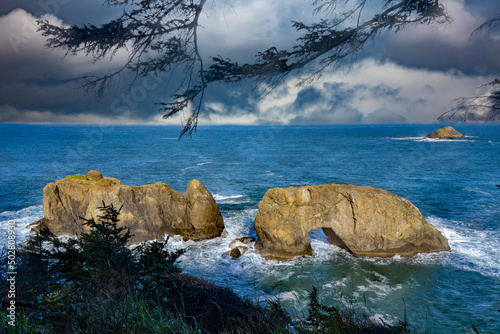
[453, 183]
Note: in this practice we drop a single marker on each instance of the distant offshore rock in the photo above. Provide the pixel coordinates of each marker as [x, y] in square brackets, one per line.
[445, 133]
[363, 220]
[151, 211]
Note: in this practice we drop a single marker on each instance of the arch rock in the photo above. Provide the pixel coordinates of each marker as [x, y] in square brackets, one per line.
[365, 221]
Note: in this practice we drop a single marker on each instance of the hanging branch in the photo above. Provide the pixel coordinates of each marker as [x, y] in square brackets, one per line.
[161, 36]
[486, 106]
[482, 107]
[327, 43]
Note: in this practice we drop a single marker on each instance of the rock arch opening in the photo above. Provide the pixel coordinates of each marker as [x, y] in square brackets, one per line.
[328, 235]
[334, 239]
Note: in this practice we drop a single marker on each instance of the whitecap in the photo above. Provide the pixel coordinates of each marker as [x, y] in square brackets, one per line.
[438, 140]
[231, 199]
[477, 190]
[471, 249]
[191, 167]
[198, 165]
[219, 197]
[380, 289]
[21, 219]
[288, 296]
[434, 140]
[404, 138]
[209, 252]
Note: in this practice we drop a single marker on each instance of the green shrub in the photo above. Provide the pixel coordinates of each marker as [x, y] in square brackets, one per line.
[69, 283]
[155, 260]
[219, 309]
[344, 319]
[97, 284]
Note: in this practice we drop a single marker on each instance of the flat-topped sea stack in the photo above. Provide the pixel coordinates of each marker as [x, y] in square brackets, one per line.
[151, 211]
[445, 133]
[363, 220]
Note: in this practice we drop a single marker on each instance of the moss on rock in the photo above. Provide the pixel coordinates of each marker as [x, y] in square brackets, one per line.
[74, 177]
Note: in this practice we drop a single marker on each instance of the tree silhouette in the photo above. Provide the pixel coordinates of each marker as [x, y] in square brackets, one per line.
[161, 36]
[485, 106]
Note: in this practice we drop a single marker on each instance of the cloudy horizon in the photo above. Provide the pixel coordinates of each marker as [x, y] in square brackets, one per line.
[409, 77]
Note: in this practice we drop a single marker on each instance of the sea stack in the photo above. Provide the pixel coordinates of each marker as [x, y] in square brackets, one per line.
[363, 220]
[151, 211]
[445, 133]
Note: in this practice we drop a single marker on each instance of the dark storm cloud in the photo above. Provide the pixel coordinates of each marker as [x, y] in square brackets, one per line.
[342, 100]
[337, 109]
[344, 114]
[307, 96]
[34, 77]
[37, 83]
[449, 47]
[475, 58]
[339, 92]
[70, 11]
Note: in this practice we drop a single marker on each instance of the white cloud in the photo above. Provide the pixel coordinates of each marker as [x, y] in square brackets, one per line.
[414, 100]
[25, 56]
[242, 28]
[370, 92]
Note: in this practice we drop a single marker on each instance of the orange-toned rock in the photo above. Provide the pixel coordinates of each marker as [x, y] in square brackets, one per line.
[363, 220]
[445, 133]
[151, 211]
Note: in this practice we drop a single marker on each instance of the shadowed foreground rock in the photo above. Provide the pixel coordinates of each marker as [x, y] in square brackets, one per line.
[151, 211]
[445, 133]
[363, 220]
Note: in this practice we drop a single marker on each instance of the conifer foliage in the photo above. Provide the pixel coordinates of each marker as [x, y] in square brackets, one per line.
[90, 283]
[96, 283]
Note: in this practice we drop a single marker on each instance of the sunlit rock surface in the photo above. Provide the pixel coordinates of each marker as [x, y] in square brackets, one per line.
[151, 211]
[445, 133]
[363, 220]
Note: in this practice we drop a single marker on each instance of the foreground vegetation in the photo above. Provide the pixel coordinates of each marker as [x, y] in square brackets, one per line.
[96, 284]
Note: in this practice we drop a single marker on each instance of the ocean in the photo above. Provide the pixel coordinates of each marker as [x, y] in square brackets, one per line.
[452, 182]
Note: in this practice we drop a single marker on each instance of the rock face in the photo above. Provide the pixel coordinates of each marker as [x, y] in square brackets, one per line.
[151, 211]
[363, 220]
[238, 247]
[242, 242]
[235, 253]
[445, 133]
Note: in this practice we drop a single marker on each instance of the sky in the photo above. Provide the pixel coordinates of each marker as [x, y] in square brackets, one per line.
[411, 76]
